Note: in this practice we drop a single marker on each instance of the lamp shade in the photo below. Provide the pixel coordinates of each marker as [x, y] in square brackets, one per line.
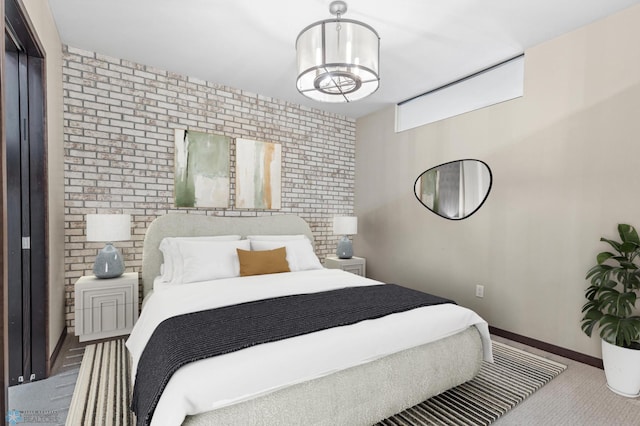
[338, 59]
[345, 225]
[108, 227]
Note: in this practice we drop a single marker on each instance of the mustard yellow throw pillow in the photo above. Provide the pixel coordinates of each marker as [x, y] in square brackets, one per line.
[258, 262]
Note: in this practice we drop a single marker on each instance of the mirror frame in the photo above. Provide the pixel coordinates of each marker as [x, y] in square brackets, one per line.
[449, 162]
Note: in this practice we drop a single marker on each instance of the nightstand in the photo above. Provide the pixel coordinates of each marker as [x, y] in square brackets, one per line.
[355, 265]
[106, 307]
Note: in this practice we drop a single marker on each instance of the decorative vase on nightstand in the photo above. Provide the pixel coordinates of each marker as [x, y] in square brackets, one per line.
[345, 249]
[109, 262]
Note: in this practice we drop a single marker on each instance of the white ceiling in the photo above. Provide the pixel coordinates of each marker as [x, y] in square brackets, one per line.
[250, 44]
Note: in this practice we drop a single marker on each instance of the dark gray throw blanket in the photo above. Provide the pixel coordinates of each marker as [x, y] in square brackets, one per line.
[199, 335]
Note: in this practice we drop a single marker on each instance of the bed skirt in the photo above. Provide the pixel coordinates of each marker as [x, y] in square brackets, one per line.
[361, 395]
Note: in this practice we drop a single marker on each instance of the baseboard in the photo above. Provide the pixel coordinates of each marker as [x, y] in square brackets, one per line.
[547, 347]
[56, 350]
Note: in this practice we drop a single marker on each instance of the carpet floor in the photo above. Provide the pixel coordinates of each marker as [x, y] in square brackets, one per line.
[46, 402]
[102, 391]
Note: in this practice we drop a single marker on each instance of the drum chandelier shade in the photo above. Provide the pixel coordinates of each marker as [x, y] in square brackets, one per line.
[338, 59]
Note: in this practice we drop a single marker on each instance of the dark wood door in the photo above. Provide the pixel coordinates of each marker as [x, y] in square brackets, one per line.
[19, 362]
[26, 207]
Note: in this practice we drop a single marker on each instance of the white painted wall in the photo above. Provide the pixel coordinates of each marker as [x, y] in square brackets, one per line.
[47, 33]
[566, 168]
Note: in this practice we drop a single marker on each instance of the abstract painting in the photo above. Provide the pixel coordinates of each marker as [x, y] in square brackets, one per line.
[258, 174]
[202, 169]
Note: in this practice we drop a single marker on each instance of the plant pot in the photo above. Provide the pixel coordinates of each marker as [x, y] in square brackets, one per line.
[622, 369]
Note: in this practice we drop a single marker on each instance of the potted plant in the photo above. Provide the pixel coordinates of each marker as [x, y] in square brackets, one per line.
[611, 299]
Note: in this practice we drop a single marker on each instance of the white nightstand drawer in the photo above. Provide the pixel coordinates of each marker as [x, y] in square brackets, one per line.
[355, 265]
[106, 312]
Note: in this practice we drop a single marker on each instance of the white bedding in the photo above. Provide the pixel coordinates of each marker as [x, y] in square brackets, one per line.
[227, 379]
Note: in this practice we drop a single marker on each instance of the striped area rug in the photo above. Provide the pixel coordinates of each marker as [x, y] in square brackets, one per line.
[498, 388]
[102, 393]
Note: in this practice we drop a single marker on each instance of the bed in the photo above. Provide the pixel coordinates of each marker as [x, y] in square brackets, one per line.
[357, 374]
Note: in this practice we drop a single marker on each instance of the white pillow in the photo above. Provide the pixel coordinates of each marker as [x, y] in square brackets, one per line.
[166, 269]
[276, 237]
[209, 260]
[169, 247]
[300, 254]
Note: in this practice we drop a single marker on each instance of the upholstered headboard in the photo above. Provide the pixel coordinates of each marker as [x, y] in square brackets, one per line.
[191, 225]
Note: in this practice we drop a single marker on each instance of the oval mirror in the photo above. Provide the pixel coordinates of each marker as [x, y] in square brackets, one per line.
[454, 190]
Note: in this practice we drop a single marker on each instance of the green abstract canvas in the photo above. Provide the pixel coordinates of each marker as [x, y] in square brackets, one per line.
[201, 169]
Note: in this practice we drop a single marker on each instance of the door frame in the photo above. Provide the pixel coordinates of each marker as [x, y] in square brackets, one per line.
[15, 16]
[4, 365]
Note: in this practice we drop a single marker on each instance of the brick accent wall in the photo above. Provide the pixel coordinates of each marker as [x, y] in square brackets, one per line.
[119, 121]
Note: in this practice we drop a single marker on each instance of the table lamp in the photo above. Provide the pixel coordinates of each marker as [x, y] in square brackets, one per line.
[345, 226]
[108, 228]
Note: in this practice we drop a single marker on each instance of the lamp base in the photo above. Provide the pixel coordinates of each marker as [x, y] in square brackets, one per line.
[109, 263]
[344, 249]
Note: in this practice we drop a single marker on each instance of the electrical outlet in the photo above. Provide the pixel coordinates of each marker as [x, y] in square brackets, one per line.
[479, 290]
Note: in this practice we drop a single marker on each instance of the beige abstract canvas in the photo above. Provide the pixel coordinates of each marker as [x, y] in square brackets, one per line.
[258, 175]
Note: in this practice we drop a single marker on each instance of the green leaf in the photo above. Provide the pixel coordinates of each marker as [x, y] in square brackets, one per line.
[620, 331]
[634, 281]
[628, 265]
[616, 303]
[591, 292]
[598, 269]
[609, 326]
[592, 314]
[614, 244]
[620, 259]
[587, 327]
[604, 256]
[630, 298]
[628, 247]
[628, 234]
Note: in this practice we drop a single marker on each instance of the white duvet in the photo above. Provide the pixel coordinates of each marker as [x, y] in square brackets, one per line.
[227, 379]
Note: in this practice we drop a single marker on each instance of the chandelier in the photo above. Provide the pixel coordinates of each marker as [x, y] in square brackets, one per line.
[338, 58]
